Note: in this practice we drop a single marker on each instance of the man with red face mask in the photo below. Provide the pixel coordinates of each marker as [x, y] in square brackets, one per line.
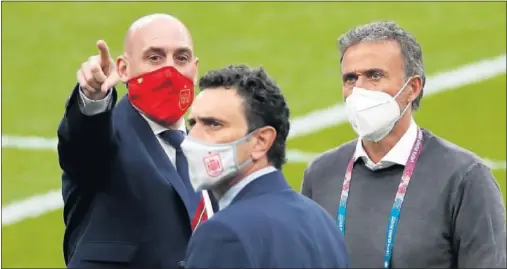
[128, 198]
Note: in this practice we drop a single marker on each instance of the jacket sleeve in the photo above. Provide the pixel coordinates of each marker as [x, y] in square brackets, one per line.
[86, 143]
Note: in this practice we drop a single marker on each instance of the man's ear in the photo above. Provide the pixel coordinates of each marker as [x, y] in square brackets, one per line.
[196, 77]
[415, 88]
[263, 140]
[121, 68]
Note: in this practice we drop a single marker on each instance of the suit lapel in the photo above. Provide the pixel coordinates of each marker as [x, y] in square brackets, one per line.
[156, 153]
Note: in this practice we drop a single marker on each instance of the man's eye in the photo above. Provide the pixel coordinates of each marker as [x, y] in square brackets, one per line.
[211, 123]
[155, 58]
[376, 75]
[349, 78]
[214, 123]
[182, 58]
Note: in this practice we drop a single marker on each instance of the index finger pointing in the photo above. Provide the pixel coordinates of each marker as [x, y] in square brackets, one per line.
[105, 57]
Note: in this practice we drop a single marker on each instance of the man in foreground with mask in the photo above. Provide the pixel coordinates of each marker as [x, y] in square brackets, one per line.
[236, 148]
[128, 199]
[403, 197]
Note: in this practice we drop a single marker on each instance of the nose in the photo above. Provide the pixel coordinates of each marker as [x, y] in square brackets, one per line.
[361, 82]
[346, 92]
[169, 62]
[197, 131]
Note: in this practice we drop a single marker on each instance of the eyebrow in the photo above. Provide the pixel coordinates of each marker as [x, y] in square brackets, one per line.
[210, 118]
[206, 119]
[158, 50]
[161, 50]
[367, 71]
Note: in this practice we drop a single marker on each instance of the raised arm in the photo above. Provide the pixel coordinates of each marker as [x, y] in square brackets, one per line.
[86, 140]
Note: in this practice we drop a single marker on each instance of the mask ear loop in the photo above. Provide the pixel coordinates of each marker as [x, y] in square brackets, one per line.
[242, 165]
[402, 88]
[399, 92]
[405, 110]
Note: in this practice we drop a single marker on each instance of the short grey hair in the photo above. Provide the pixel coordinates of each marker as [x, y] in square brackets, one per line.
[389, 30]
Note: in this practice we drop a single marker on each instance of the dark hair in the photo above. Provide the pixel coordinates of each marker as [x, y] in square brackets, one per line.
[263, 102]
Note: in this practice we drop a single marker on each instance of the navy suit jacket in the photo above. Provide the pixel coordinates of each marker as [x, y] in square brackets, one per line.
[268, 225]
[124, 202]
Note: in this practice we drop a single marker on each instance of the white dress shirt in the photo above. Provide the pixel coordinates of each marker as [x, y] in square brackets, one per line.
[399, 154]
[229, 195]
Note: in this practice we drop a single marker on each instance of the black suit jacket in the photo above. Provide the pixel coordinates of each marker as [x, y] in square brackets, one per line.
[125, 204]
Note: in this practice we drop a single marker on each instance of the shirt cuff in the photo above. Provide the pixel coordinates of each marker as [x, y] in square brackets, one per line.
[93, 107]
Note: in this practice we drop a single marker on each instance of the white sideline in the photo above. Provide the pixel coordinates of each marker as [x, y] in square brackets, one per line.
[44, 203]
[314, 121]
[297, 156]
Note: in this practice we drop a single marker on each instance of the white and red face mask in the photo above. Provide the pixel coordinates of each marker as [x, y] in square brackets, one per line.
[212, 164]
[163, 95]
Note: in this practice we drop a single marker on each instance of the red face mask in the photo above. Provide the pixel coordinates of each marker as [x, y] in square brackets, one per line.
[163, 95]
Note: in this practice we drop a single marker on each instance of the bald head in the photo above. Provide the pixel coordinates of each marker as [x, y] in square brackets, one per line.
[155, 41]
[155, 23]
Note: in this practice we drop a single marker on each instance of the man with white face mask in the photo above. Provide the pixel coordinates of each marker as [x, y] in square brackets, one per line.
[402, 196]
[236, 148]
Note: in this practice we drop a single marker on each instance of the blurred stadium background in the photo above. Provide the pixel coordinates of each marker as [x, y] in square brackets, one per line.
[44, 44]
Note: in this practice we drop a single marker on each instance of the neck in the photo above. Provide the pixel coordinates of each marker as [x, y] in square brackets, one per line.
[223, 187]
[377, 150]
[173, 126]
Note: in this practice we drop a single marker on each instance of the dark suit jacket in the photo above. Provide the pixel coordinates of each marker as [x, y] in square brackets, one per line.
[125, 204]
[268, 225]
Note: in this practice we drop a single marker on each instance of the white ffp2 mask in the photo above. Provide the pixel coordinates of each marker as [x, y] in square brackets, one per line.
[372, 113]
[211, 164]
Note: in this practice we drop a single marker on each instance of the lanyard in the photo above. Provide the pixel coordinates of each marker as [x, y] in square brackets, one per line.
[398, 200]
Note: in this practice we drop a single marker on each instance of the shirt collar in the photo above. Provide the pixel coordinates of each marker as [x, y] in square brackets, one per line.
[399, 154]
[229, 195]
[158, 129]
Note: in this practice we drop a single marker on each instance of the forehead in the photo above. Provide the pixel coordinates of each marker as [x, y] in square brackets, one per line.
[385, 55]
[162, 33]
[221, 103]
